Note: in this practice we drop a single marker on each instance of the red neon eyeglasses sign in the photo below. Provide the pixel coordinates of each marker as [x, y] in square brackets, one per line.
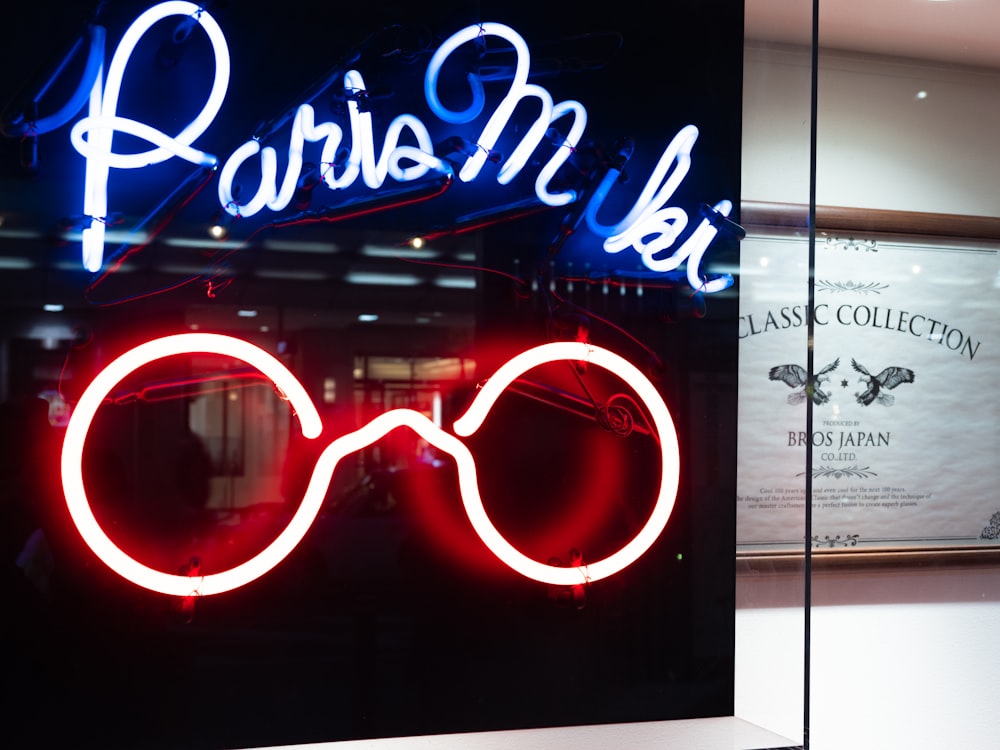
[311, 425]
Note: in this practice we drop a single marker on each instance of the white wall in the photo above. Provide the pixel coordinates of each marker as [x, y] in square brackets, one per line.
[879, 145]
[899, 658]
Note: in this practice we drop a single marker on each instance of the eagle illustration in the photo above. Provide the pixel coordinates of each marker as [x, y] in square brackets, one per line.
[795, 376]
[877, 385]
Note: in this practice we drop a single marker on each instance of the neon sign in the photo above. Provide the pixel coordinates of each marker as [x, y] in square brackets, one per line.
[310, 423]
[103, 121]
[651, 227]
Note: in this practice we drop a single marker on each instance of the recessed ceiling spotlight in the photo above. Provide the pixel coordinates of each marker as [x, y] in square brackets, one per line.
[920, 95]
[52, 307]
[367, 318]
[218, 232]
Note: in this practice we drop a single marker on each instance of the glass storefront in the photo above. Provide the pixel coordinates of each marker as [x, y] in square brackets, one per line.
[893, 296]
[656, 414]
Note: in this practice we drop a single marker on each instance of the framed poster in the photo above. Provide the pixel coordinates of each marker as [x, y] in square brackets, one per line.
[903, 441]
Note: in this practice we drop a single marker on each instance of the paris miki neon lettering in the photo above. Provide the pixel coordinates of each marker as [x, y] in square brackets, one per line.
[651, 227]
[291, 390]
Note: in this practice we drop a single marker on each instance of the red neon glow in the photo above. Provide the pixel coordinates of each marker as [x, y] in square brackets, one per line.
[309, 420]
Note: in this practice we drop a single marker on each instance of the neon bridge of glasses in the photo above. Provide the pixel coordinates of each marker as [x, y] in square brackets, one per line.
[310, 423]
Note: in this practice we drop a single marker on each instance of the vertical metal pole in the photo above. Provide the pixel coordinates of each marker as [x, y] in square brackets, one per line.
[807, 592]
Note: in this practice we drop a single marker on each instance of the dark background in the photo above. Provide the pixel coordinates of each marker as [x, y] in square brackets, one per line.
[428, 635]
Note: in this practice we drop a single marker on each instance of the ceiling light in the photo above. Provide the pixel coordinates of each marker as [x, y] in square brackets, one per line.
[20, 234]
[290, 274]
[195, 242]
[115, 236]
[299, 246]
[181, 269]
[456, 282]
[374, 251]
[386, 279]
[8, 263]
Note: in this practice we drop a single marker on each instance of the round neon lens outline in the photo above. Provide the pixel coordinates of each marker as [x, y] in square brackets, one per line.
[76, 435]
[659, 414]
[129, 568]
